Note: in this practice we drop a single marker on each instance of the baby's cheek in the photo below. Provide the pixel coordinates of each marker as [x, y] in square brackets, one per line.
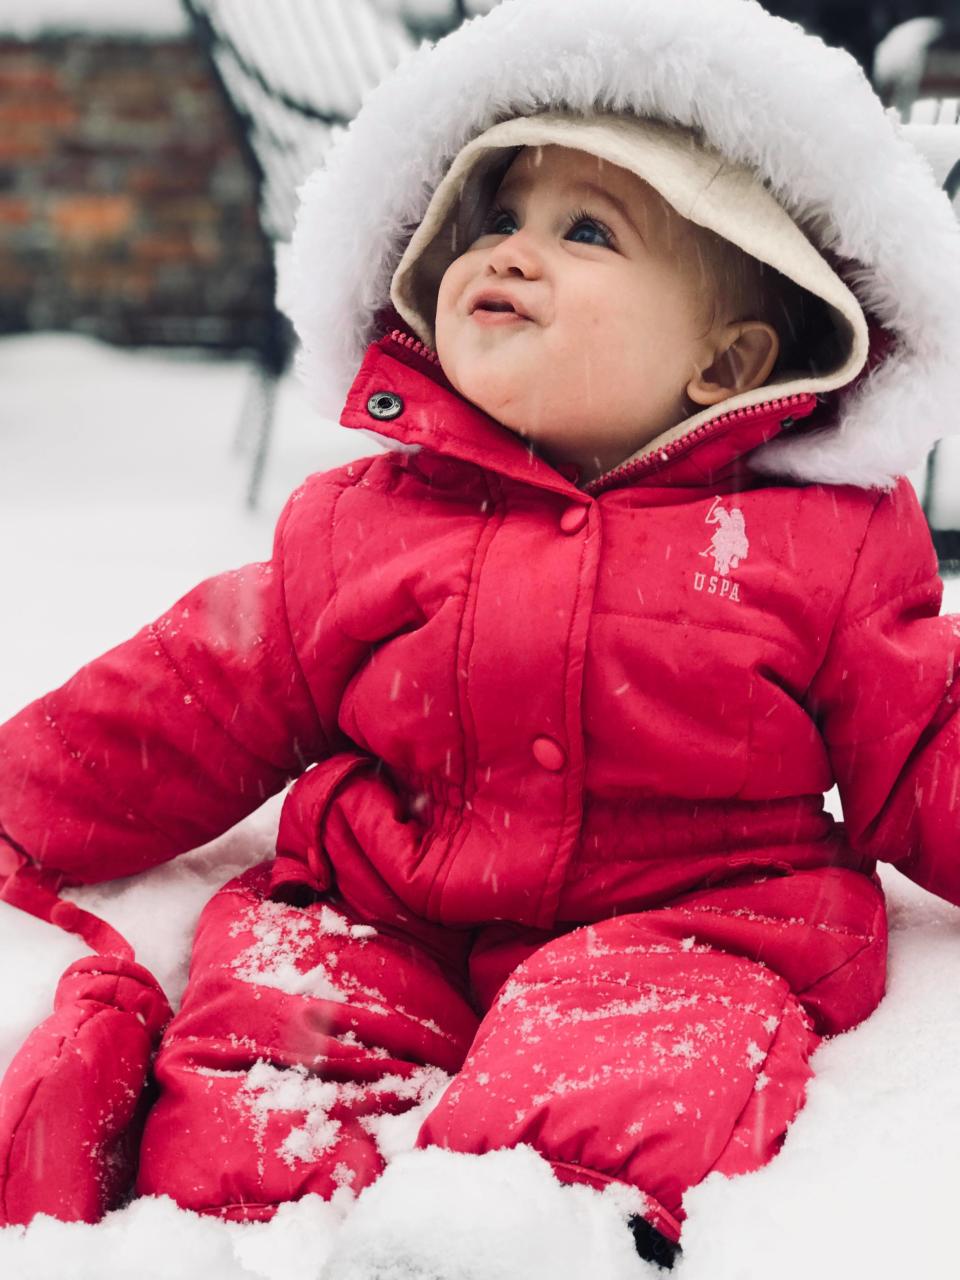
[444, 324]
[442, 345]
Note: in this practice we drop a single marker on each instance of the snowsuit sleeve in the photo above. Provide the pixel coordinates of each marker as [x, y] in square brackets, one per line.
[886, 699]
[166, 740]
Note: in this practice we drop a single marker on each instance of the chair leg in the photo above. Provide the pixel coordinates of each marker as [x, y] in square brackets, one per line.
[265, 387]
[930, 482]
[250, 413]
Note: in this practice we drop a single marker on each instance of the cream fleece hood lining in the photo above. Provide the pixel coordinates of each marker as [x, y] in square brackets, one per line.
[759, 91]
[695, 180]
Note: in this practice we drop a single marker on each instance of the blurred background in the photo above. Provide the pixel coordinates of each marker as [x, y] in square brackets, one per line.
[149, 156]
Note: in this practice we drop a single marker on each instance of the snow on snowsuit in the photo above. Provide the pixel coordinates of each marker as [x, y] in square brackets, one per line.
[557, 828]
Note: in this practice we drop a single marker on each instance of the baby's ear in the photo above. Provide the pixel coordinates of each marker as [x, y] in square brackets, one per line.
[741, 358]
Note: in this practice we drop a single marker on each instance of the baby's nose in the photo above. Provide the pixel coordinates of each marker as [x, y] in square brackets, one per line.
[518, 255]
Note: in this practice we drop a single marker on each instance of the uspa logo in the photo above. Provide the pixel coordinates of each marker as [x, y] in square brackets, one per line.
[728, 546]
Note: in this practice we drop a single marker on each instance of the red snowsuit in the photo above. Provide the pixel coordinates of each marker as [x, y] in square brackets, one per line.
[514, 708]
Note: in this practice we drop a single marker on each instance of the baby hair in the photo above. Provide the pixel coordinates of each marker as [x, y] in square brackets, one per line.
[737, 286]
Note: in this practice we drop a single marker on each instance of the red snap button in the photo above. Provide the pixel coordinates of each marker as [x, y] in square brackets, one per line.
[573, 519]
[549, 754]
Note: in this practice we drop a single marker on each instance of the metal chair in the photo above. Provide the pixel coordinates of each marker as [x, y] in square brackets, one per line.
[293, 72]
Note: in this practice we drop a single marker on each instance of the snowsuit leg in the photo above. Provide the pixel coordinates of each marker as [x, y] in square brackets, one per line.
[302, 1032]
[656, 1047]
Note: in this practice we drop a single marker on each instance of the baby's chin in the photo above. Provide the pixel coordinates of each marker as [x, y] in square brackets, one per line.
[501, 398]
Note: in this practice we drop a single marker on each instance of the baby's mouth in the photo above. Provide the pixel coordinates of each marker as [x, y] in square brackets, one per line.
[488, 315]
[492, 305]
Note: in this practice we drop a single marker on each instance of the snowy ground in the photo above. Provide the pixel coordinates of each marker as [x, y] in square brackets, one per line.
[118, 491]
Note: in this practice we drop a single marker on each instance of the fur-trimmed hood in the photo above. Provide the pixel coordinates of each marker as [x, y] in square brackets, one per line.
[759, 90]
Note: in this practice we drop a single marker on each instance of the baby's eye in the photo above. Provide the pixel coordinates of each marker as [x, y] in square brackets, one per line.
[582, 227]
[499, 222]
[593, 227]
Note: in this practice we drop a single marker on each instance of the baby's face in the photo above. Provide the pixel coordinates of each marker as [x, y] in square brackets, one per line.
[607, 326]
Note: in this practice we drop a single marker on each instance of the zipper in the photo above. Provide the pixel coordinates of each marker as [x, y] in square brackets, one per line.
[659, 457]
[410, 343]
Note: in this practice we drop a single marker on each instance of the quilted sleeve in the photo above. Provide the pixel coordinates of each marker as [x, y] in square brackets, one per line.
[886, 699]
[166, 740]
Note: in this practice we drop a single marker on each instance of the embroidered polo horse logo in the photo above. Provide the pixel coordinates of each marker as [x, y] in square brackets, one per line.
[729, 544]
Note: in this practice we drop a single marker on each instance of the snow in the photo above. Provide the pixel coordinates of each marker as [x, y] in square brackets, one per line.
[899, 58]
[118, 491]
[281, 941]
[322, 52]
[498, 1218]
[27, 19]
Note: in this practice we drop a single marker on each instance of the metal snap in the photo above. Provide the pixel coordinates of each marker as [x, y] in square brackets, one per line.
[384, 405]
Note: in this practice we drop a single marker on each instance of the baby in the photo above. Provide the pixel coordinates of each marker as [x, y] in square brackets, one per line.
[560, 684]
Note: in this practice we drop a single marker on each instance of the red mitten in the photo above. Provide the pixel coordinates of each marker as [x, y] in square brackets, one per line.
[70, 1108]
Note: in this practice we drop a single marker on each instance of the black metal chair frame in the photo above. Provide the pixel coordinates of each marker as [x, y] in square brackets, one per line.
[275, 342]
[275, 345]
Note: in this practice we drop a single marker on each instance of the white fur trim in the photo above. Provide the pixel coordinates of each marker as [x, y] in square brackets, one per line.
[762, 92]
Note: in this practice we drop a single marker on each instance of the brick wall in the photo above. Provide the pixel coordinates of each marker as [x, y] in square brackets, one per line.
[126, 209]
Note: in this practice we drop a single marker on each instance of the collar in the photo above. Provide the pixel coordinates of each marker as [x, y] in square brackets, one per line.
[427, 412]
